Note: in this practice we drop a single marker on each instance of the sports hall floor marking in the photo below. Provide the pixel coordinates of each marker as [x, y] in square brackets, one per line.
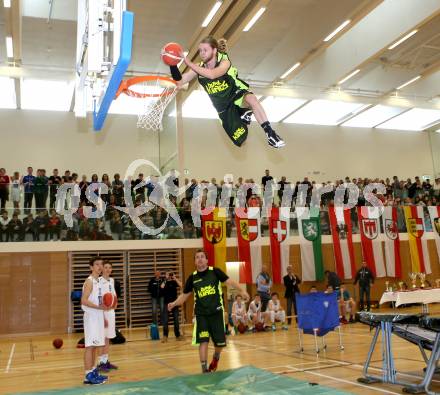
[8, 365]
[370, 388]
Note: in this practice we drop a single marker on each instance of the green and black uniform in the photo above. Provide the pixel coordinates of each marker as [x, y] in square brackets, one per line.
[208, 307]
[227, 93]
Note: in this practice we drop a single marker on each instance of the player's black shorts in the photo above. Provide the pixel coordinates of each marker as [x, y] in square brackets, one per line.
[210, 326]
[235, 128]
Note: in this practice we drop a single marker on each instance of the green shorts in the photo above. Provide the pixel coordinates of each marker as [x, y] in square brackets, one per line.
[210, 326]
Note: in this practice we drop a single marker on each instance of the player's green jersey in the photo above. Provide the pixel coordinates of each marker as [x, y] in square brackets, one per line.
[226, 89]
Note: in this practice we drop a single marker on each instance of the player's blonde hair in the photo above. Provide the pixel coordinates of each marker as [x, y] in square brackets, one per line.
[220, 44]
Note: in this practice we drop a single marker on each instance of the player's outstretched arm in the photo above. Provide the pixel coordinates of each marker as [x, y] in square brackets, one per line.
[179, 301]
[232, 283]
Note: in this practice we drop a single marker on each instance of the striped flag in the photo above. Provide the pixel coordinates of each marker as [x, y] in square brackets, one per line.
[309, 227]
[341, 228]
[249, 243]
[418, 245]
[279, 229]
[214, 237]
[371, 243]
[434, 214]
[392, 242]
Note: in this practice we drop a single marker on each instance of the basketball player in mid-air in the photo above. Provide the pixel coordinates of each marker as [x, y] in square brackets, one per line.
[108, 286]
[206, 281]
[230, 95]
[94, 337]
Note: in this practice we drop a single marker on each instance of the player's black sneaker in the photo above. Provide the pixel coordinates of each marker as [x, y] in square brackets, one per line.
[273, 139]
[246, 117]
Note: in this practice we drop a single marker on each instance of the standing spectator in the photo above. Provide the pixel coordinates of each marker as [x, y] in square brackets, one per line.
[66, 177]
[28, 182]
[40, 190]
[118, 189]
[16, 189]
[333, 279]
[4, 188]
[156, 288]
[366, 279]
[291, 282]
[54, 183]
[4, 226]
[172, 283]
[267, 177]
[436, 188]
[264, 283]
[106, 196]
[140, 189]
[45, 187]
[83, 188]
[281, 187]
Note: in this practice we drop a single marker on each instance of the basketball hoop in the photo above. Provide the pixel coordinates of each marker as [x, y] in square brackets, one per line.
[156, 92]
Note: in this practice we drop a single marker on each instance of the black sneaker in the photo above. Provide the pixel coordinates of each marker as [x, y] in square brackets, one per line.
[247, 117]
[274, 140]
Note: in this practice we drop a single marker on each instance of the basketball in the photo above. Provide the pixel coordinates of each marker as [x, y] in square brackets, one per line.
[109, 299]
[57, 343]
[242, 328]
[171, 54]
[259, 327]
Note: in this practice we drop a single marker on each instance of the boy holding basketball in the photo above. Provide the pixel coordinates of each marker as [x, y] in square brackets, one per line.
[230, 95]
[108, 286]
[94, 337]
[205, 282]
[239, 315]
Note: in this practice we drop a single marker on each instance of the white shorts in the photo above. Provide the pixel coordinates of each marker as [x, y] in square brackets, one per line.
[110, 331]
[94, 329]
[277, 316]
[259, 316]
[240, 318]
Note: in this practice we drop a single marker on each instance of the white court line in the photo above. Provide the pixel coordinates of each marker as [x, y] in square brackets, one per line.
[346, 381]
[8, 365]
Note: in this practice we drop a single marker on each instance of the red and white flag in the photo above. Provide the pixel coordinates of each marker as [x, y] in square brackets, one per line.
[249, 243]
[279, 229]
[371, 243]
[392, 242]
[340, 223]
[434, 214]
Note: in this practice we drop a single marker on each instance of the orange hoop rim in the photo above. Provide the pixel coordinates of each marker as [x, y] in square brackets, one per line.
[125, 85]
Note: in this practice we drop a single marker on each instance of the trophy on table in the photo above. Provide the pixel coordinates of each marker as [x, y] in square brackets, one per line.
[400, 285]
[437, 283]
[413, 277]
[387, 286]
[422, 277]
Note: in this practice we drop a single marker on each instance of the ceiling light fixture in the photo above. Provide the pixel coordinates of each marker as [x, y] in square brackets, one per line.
[294, 67]
[254, 19]
[404, 38]
[211, 14]
[337, 30]
[349, 76]
[409, 82]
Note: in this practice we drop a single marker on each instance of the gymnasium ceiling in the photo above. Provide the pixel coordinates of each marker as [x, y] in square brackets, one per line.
[289, 31]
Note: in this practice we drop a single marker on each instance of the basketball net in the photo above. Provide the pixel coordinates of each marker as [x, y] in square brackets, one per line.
[156, 92]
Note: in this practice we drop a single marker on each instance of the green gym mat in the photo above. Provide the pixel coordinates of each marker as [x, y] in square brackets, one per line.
[243, 381]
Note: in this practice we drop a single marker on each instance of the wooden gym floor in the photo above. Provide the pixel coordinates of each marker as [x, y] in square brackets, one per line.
[32, 364]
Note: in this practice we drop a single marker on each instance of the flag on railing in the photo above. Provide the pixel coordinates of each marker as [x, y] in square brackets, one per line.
[434, 214]
[392, 242]
[247, 223]
[341, 228]
[214, 237]
[309, 228]
[279, 229]
[371, 243]
[418, 244]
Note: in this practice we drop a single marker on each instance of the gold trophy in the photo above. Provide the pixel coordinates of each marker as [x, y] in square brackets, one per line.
[387, 286]
[422, 277]
[437, 283]
[413, 277]
[401, 285]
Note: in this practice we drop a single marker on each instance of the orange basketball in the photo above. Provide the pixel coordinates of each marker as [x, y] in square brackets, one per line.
[109, 299]
[171, 54]
[57, 343]
[242, 328]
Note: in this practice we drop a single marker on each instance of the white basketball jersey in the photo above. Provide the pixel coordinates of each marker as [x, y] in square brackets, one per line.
[275, 306]
[254, 307]
[96, 294]
[239, 309]
[108, 286]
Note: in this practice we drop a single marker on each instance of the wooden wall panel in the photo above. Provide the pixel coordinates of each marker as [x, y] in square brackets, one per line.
[33, 293]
